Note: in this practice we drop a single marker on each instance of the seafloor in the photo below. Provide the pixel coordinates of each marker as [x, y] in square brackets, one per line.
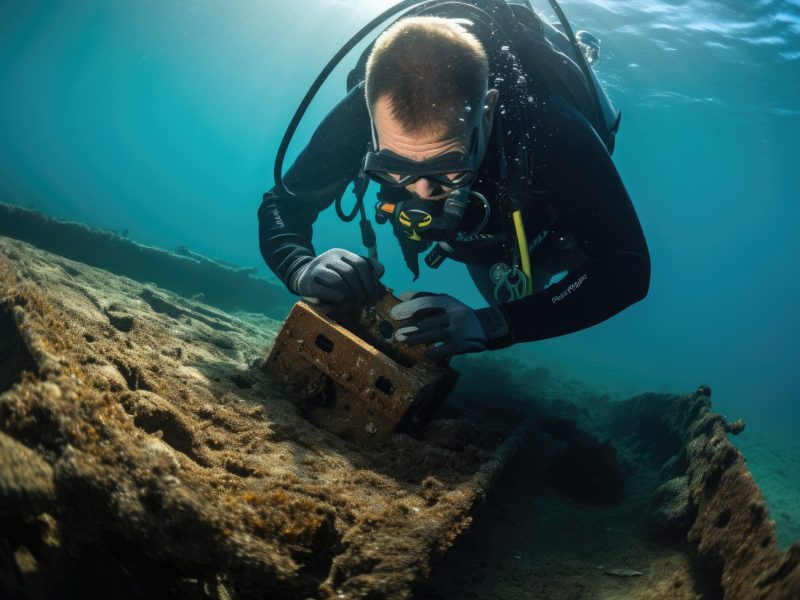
[144, 453]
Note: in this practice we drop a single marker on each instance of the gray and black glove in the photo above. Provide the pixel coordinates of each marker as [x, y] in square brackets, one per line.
[441, 319]
[338, 275]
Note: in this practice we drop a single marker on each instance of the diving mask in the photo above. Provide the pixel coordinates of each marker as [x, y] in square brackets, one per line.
[452, 170]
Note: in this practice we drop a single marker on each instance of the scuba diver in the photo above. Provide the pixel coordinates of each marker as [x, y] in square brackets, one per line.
[491, 140]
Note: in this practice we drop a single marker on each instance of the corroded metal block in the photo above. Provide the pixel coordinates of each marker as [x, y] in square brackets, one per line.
[348, 374]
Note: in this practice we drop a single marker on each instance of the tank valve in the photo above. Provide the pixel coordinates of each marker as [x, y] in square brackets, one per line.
[589, 45]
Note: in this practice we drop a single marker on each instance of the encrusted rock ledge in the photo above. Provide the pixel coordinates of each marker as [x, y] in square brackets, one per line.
[215, 281]
[144, 454]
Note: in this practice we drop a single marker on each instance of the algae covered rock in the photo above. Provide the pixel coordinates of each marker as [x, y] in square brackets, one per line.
[142, 425]
[144, 453]
[26, 480]
[674, 512]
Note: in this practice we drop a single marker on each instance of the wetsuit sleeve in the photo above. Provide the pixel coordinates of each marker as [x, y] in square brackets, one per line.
[596, 238]
[318, 176]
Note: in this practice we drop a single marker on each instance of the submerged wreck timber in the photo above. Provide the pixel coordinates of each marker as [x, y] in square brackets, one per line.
[145, 453]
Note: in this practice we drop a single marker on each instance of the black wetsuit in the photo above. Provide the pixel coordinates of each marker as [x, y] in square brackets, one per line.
[579, 219]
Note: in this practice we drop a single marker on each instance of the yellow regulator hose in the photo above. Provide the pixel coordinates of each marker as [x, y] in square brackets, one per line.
[524, 253]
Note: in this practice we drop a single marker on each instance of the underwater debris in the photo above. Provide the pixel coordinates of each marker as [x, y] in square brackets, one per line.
[715, 505]
[670, 449]
[350, 377]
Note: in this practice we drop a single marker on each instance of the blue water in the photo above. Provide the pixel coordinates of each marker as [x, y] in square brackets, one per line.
[163, 118]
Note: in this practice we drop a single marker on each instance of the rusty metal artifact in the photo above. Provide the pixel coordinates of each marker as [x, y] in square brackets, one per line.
[348, 375]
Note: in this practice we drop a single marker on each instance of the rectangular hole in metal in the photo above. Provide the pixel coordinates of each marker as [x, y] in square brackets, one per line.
[384, 385]
[324, 343]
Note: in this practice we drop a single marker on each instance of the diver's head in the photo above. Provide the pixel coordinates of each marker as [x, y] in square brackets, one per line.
[431, 109]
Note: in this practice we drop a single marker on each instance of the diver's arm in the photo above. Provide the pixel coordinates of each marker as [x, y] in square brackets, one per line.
[284, 236]
[318, 176]
[597, 239]
[600, 288]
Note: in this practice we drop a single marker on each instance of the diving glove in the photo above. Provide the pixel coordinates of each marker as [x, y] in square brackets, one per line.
[338, 275]
[441, 319]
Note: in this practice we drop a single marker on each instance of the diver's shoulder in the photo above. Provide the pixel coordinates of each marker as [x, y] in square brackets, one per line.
[556, 111]
[557, 123]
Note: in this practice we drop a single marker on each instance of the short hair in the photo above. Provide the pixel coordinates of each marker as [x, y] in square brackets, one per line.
[430, 68]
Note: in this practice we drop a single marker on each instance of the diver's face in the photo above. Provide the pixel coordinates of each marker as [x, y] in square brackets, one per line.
[424, 146]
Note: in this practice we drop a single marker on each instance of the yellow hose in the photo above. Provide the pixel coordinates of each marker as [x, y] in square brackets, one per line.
[524, 254]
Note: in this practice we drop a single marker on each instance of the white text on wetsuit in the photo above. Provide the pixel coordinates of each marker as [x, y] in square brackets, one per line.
[572, 287]
[277, 217]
